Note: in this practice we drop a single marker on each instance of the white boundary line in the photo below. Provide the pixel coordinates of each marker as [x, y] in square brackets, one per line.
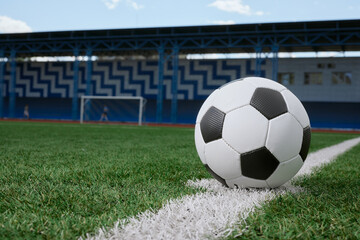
[211, 214]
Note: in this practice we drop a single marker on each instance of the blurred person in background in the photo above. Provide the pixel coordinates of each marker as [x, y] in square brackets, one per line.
[26, 112]
[104, 115]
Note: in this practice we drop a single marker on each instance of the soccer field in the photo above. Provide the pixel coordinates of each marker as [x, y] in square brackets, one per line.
[62, 181]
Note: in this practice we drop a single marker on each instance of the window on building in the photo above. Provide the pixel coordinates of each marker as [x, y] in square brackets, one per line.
[343, 78]
[331, 65]
[313, 78]
[320, 65]
[286, 78]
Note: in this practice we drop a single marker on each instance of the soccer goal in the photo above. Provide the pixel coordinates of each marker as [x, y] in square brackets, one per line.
[112, 109]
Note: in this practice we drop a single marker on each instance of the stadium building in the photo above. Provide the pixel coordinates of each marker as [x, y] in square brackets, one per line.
[153, 63]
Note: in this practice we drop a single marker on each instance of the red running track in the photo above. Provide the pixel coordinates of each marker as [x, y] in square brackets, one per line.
[353, 131]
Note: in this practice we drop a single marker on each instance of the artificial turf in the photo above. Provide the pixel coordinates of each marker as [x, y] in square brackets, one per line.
[328, 208]
[65, 180]
[61, 181]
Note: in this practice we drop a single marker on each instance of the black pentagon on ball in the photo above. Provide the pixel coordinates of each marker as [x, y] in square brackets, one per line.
[269, 102]
[305, 143]
[211, 124]
[258, 164]
[217, 177]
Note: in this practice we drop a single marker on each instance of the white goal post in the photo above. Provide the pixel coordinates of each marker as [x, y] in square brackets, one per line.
[140, 99]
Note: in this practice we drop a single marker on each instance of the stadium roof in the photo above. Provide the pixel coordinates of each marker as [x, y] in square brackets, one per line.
[340, 35]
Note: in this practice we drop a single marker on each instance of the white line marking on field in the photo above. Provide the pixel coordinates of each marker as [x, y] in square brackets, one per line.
[211, 214]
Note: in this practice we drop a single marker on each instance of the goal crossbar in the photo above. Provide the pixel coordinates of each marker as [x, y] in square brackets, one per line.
[139, 98]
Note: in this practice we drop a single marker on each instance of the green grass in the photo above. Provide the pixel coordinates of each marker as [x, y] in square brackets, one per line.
[329, 208]
[61, 181]
[64, 180]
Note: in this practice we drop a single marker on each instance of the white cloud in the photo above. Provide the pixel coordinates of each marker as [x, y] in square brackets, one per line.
[135, 5]
[259, 13]
[236, 6]
[9, 25]
[112, 4]
[223, 22]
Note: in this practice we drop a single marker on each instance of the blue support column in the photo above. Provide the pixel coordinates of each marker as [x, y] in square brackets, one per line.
[258, 61]
[12, 93]
[75, 86]
[88, 91]
[159, 100]
[275, 62]
[88, 72]
[2, 65]
[174, 84]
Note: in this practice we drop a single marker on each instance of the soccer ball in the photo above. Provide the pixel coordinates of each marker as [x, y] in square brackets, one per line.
[252, 132]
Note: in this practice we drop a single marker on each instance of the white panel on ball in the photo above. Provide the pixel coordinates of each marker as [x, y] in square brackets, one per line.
[222, 159]
[235, 95]
[206, 105]
[199, 143]
[285, 137]
[263, 82]
[285, 171]
[243, 181]
[296, 108]
[245, 129]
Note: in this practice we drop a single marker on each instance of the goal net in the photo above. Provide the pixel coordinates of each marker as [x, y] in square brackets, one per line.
[112, 109]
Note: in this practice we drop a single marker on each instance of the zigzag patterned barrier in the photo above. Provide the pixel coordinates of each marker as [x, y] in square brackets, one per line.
[197, 79]
[48, 87]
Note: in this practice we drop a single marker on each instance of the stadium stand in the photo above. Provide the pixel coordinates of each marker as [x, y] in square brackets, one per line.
[174, 86]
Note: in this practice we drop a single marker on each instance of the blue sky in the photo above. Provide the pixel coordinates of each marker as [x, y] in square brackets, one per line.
[57, 15]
